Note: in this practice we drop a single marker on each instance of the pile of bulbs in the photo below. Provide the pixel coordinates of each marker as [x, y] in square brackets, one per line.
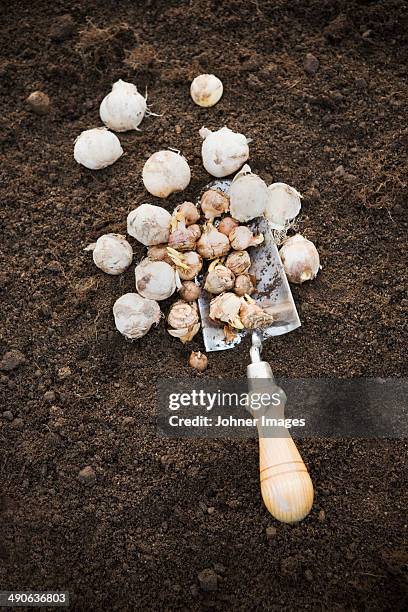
[197, 247]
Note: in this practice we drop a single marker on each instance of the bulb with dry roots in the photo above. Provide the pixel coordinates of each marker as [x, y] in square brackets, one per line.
[283, 205]
[166, 172]
[189, 291]
[206, 90]
[198, 361]
[300, 259]
[252, 315]
[123, 108]
[214, 204]
[223, 151]
[149, 224]
[188, 264]
[227, 224]
[182, 238]
[112, 253]
[225, 308]
[183, 320]
[249, 195]
[212, 243]
[97, 148]
[238, 262]
[155, 280]
[187, 212]
[134, 315]
[241, 238]
[219, 279]
[244, 285]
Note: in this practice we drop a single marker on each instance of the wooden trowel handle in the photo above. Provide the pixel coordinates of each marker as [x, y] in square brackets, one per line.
[286, 486]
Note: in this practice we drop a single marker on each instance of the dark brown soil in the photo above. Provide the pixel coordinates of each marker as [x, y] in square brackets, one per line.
[136, 536]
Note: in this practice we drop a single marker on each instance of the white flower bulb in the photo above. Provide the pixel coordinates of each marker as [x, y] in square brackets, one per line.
[155, 280]
[112, 253]
[249, 195]
[166, 172]
[134, 315]
[283, 205]
[149, 224]
[223, 151]
[97, 148]
[206, 90]
[300, 259]
[123, 108]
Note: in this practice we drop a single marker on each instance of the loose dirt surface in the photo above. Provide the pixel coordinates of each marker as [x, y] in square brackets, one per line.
[133, 532]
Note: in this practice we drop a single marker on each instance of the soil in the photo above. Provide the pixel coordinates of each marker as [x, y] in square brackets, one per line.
[132, 531]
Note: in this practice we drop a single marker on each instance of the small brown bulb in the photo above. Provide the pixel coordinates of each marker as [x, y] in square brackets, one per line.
[198, 361]
[38, 102]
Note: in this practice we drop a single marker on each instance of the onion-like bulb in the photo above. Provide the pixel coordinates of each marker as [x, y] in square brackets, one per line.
[214, 204]
[123, 108]
[111, 253]
[244, 285]
[283, 205]
[155, 280]
[166, 172]
[238, 262]
[159, 252]
[300, 259]
[182, 238]
[195, 231]
[187, 212]
[212, 243]
[97, 148]
[219, 279]
[206, 90]
[223, 151]
[227, 224]
[241, 238]
[134, 315]
[188, 264]
[249, 195]
[253, 316]
[225, 308]
[189, 291]
[183, 320]
[198, 361]
[149, 224]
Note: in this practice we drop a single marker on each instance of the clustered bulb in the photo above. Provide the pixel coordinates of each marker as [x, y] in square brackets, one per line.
[300, 259]
[183, 320]
[155, 280]
[244, 285]
[225, 308]
[249, 195]
[149, 224]
[206, 90]
[187, 212]
[112, 253]
[241, 238]
[134, 315]
[223, 151]
[166, 172]
[227, 224]
[123, 108]
[238, 262]
[212, 243]
[198, 361]
[283, 205]
[97, 148]
[214, 204]
[219, 279]
[189, 291]
[253, 316]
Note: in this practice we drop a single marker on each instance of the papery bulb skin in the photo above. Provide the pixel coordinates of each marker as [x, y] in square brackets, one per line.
[214, 204]
[166, 172]
[219, 279]
[212, 243]
[155, 280]
[198, 361]
[227, 224]
[112, 253]
[283, 205]
[159, 252]
[97, 148]
[224, 151]
[244, 285]
[134, 315]
[225, 308]
[241, 238]
[183, 320]
[249, 196]
[238, 262]
[187, 212]
[189, 291]
[194, 263]
[123, 108]
[149, 224]
[182, 238]
[253, 316]
[206, 90]
[300, 259]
